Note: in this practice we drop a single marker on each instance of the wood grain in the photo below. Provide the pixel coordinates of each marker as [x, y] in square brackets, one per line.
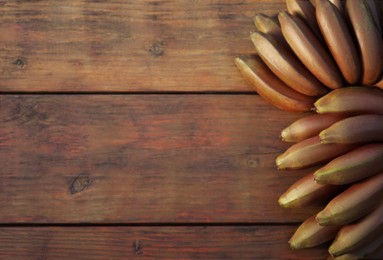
[245, 242]
[129, 46]
[142, 159]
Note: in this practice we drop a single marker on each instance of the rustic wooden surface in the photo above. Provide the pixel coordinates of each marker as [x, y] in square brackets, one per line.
[142, 158]
[118, 45]
[228, 242]
[159, 151]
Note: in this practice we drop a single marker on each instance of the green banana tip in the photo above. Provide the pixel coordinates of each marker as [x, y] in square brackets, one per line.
[283, 202]
[322, 219]
[294, 245]
[333, 250]
[284, 134]
[323, 136]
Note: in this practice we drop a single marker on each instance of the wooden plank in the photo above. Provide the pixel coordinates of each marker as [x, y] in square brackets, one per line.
[196, 242]
[245, 242]
[142, 158]
[130, 46]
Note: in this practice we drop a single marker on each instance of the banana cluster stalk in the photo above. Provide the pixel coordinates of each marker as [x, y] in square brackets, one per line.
[326, 56]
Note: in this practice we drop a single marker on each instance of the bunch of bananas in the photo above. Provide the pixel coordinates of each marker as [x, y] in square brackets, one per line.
[327, 56]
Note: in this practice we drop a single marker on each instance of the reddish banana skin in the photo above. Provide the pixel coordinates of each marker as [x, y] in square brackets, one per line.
[310, 152]
[310, 234]
[339, 40]
[309, 126]
[356, 235]
[271, 88]
[351, 100]
[356, 129]
[310, 51]
[305, 10]
[339, 4]
[286, 66]
[306, 191]
[353, 166]
[368, 38]
[353, 203]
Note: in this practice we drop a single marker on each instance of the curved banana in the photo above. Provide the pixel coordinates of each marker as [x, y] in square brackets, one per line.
[339, 40]
[309, 126]
[351, 100]
[305, 191]
[270, 87]
[309, 50]
[356, 235]
[310, 234]
[353, 203]
[368, 39]
[353, 166]
[286, 66]
[356, 129]
[310, 152]
[306, 11]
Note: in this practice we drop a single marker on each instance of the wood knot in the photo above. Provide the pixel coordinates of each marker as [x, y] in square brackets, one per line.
[157, 49]
[20, 62]
[253, 163]
[138, 247]
[79, 184]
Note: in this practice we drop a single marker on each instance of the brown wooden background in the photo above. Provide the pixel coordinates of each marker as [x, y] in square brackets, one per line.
[127, 133]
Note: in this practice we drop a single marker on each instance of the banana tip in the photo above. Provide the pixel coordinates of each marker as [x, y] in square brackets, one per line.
[323, 137]
[284, 134]
[279, 162]
[333, 250]
[294, 245]
[322, 219]
[282, 201]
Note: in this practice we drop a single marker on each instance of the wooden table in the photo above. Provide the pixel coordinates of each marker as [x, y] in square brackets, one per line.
[127, 133]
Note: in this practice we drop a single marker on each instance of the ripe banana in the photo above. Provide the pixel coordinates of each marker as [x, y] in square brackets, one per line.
[268, 25]
[356, 235]
[270, 87]
[310, 152]
[309, 50]
[353, 203]
[286, 66]
[356, 129]
[356, 165]
[339, 40]
[309, 126]
[306, 191]
[351, 100]
[310, 234]
[306, 11]
[368, 38]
